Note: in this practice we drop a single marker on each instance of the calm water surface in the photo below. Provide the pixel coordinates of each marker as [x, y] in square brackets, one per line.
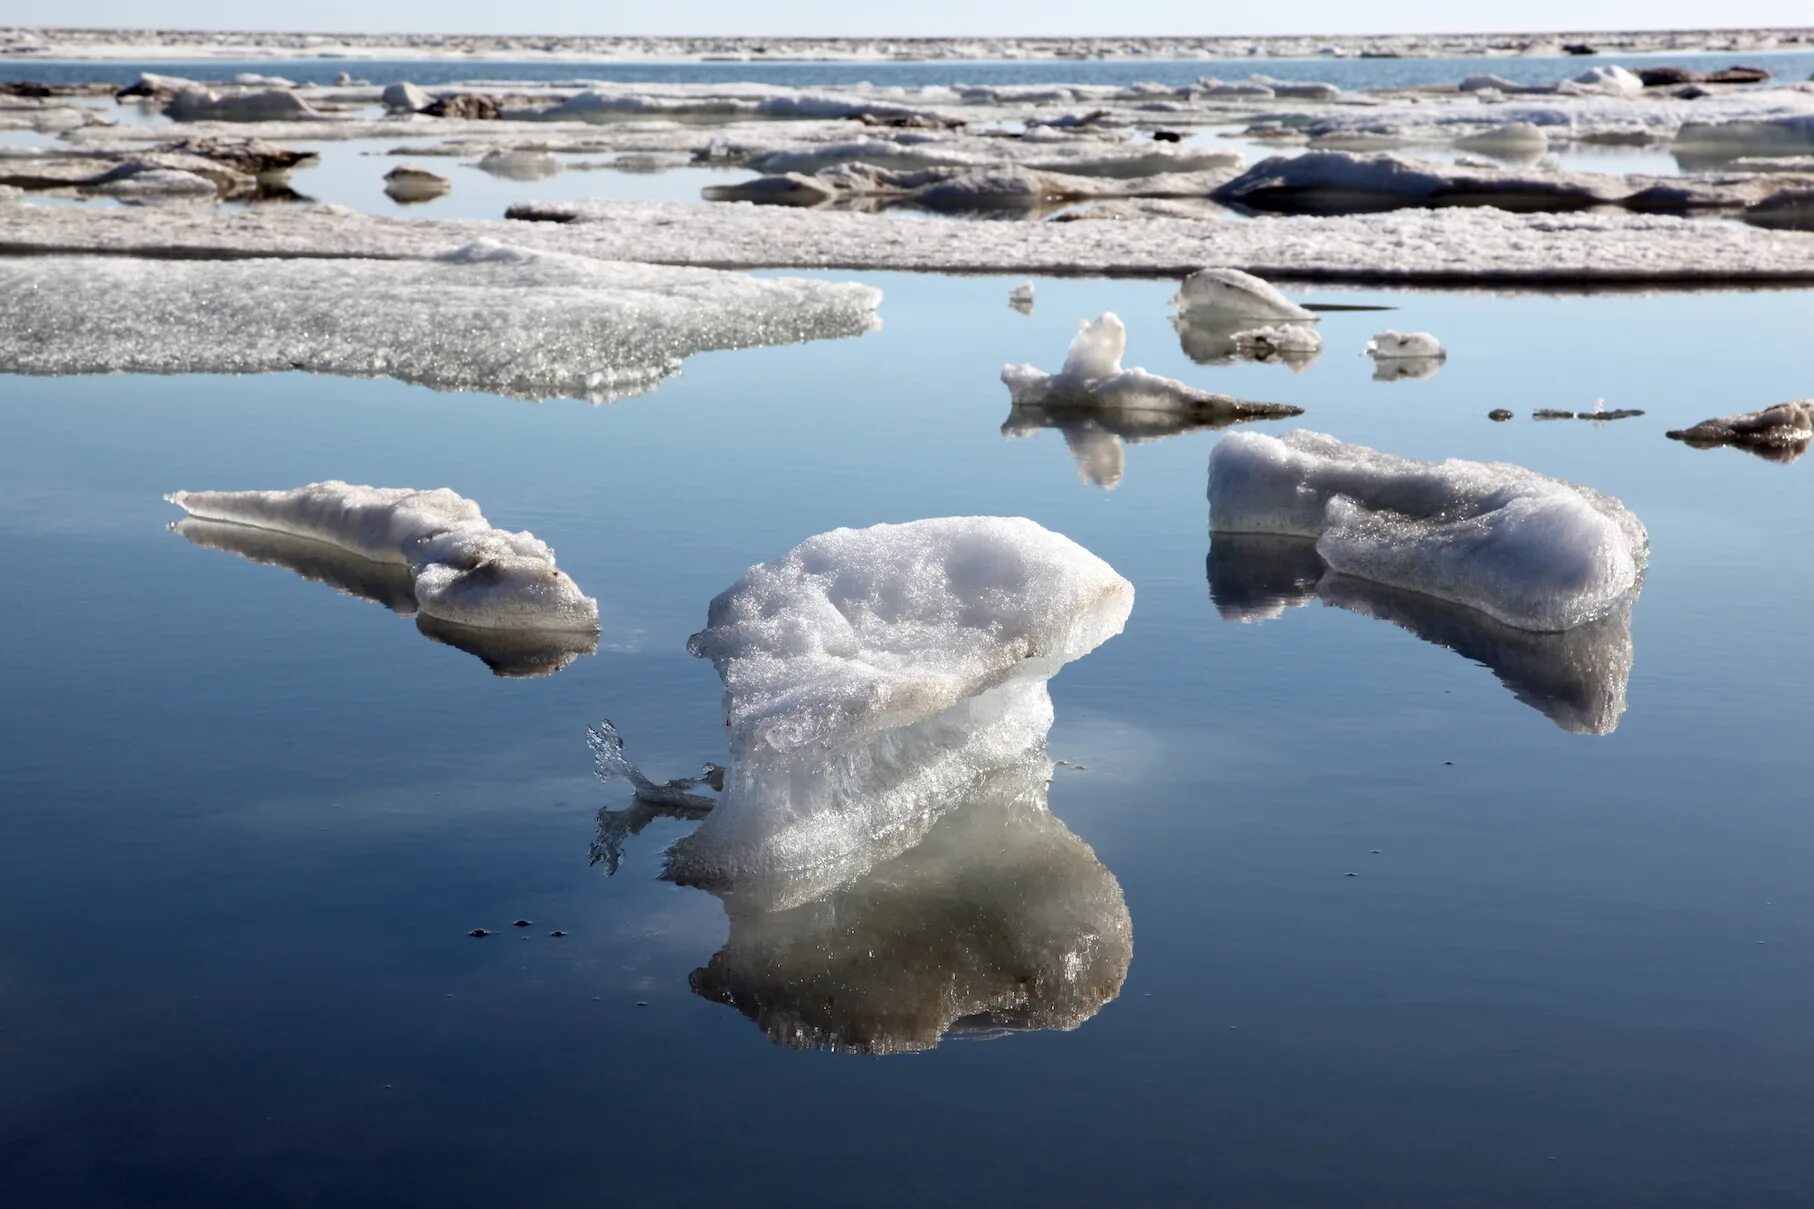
[249, 821]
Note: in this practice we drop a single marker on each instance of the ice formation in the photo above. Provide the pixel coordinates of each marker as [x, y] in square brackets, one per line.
[407, 183]
[873, 679]
[1782, 431]
[1092, 377]
[1405, 346]
[999, 186]
[1474, 246]
[1577, 678]
[1234, 293]
[999, 919]
[462, 570]
[1530, 551]
[485, 317]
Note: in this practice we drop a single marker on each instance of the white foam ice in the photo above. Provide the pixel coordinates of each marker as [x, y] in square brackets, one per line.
[1231, 292]
[1405, 346]
[484, 317]
[875, 676]
[1577, 678]
[1092, 377]
[462, 570]
[1530, 551]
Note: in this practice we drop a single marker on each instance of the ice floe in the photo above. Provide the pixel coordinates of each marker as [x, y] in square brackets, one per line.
[486, 317]
[1576, 677]
[956, 189]
[1530, 551]
[876, 677]
[1405, 346]
[1780, 433]
[1021, 298]
[1239, 295]
[1092, 378]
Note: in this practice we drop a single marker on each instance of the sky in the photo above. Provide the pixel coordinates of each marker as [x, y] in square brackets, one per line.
[926, 18]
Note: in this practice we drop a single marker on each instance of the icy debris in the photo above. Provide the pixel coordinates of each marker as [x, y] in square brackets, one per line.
[998, 920]
[874, 677]
[1234, 293]
[1393, 346]
[485, 317]
[462, 570]
[1021, 298]
[1092, 377]
[1577, 678]
[1530, 551]
[1785, 428]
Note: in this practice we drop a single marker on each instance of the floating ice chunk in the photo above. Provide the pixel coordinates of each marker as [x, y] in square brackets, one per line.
[1530, 551]
[1781, 433]
[1577, 678]
[1396, 346]
[1092, 377]
[999, 919]
[487, 317]
[407, 183]
[461, 569]
[953, 189]
[146, 181]
[404, 97]
[207, 105]
[1608, 78]
[1512, 140]
[520, 165]
[1021, 298]
[1235, 293]
[873, 677]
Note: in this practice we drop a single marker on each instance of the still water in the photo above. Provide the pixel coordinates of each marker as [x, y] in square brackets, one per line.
[249, 821]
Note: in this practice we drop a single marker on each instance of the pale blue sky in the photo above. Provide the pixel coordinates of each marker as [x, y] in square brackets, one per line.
[918, 17]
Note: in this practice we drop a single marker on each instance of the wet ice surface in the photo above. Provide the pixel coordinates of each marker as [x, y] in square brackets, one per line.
[239, 808]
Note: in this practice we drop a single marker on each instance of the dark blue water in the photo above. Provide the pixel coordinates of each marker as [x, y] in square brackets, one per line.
[1345, 73]
[248, 821]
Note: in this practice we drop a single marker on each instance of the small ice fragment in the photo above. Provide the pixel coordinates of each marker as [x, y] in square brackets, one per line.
[407, 183]
[1021, 298]
[1782, 432]
[1533, 552]
[1393, 346]
[1284, 341]
[462, 570]
[1092, 377]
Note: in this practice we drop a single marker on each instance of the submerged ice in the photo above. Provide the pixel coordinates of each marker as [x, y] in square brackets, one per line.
[1530, 551]
[462, 571]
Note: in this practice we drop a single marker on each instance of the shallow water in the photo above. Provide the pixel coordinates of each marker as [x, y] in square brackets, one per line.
[250, 821]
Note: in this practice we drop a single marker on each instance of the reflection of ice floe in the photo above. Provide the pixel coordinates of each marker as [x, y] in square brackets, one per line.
[486, 317]
[999, 919]
[872, 678]
[1021, 298]
[507, 653]
[1096, 437]
[1398, 355]
[461, 570]
[1531, 551]
[1092, 378]
[1780, 433]
[1577, 678]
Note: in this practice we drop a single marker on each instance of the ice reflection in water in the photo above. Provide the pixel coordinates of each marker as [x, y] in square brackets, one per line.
[508, 654]
[1097, 437]
[1576, 678]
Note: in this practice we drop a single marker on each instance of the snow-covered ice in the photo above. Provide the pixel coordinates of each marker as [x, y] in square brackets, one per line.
[1236, 294]
[462, 570]
[1577, 678]
[873, 678]
[1530, 551]
[1092, 378]
[484, 317]
[1405, 346]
